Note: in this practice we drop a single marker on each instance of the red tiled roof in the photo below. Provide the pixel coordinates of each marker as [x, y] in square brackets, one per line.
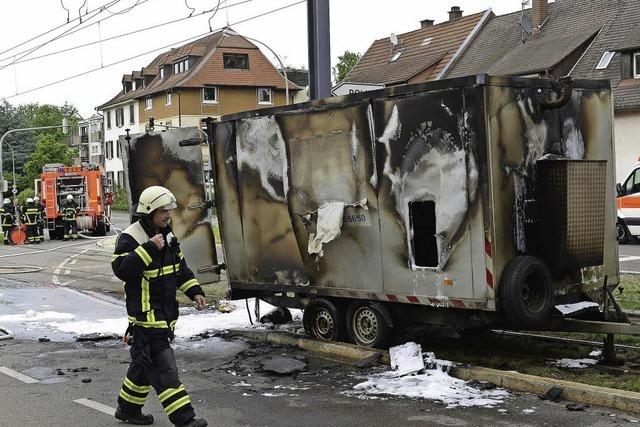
[209, 69]
[419, 53]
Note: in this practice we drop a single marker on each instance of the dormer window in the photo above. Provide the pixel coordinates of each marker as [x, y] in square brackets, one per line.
[396, 55]
[605, 60]
[135, 85]
[161, 73]
[181, 66]
[636, 65]
[237, 61]
[126, 87]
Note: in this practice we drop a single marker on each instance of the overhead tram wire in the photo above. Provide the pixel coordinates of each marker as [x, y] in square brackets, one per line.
[54, 29]
[33, 58]
[151, 51]
[59, 36]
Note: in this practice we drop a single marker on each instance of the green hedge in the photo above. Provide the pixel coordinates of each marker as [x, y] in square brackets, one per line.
[120, 201]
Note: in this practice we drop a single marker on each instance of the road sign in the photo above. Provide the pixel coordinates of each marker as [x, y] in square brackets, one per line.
[14, 191]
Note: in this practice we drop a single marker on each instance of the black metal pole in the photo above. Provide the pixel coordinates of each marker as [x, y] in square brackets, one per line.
[319, 49]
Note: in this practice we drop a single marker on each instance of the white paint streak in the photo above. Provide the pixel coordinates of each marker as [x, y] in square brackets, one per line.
[17, 375]
[573, 143]
[96, 405]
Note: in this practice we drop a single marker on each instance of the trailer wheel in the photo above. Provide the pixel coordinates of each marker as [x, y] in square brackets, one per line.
[322, 320]
[526, 295]
[369, 324]
[622, 232]
[100, 229]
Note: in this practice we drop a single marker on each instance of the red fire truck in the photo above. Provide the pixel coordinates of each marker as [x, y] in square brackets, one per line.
[86, 185]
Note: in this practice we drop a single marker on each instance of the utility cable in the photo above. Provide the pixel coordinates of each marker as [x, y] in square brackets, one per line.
[150, 51]
[117, 36]
[28, 52]
[52, 30]
[122, 12]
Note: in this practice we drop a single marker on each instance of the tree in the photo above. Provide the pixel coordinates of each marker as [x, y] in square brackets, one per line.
[345, 63]
[48, 150]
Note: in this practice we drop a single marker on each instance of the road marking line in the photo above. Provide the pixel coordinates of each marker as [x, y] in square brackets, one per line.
[18, 375]
[67, 271]
[629, 258]
[42, 251]
[115, 279]
[95, 277]
[55, 279]
[96, 405]
[73, 261]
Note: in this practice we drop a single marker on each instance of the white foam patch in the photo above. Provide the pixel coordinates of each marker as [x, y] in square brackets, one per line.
[432, 384]
[406, 358]
[572, 308]
[36, 316]
[573, 142]
[188, 325]
[575, 363]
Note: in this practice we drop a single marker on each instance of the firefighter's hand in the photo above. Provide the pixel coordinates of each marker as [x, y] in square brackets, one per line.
[200, 302]
[158, 240]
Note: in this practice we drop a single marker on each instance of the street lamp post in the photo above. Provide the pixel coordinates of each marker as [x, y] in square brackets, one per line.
[230, 32]
[13, 166]
[65, 130]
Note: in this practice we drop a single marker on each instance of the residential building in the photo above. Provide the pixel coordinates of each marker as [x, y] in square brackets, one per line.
[421, 55]
[598, 39]
[91, 140]
[216, 75]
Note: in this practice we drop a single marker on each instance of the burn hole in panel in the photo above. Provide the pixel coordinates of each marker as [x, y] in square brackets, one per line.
[422, 215]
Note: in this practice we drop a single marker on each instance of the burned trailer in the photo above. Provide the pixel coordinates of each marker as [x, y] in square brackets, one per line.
[478, 201]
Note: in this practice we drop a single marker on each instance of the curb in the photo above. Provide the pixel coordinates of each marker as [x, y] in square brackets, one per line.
[582, 393]
[577, 392]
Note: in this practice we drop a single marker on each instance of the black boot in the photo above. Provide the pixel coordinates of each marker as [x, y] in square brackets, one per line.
[139, 419]
[195, 422]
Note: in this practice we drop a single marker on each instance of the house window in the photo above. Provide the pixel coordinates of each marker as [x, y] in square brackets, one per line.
[135, 85]
[181, 67]
[108, 149]
[167, 98]
[161, 73]
[264, 95]
[605, 60]
[132, 114]
[636, 65]
[396, 55]
[121, 178]
[108, 119]
[117, 149]
[148, 103]
[119, 117]
[210, 95]
[238, 61]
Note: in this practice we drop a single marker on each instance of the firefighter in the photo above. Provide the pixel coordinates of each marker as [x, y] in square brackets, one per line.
[41, 217]
[148, 259]
[70, 210]
[7, 218]
[31, 214]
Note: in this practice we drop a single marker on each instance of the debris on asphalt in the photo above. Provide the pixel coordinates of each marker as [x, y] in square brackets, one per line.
[406, 358]
[284, 365]
[577, 406]
[225, 307]
[481, 385]
[553, 394]
[86, 380]
[44, 340]
[277, 316]
[97, 337]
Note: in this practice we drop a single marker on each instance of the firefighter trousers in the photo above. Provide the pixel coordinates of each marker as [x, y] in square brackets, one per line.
[5, 230]
[41, 231]
[32, 233]
[153, 364]
[70, 229]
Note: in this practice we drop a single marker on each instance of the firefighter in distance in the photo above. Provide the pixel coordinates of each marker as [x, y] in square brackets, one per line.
[70, 211]
[7, 219]
[41, 217]
[148, 259]
[31, 214]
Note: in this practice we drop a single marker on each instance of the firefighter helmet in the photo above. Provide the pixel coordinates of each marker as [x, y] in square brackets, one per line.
[7, 200]
[155, 197]
[29, 200]
[69, 197]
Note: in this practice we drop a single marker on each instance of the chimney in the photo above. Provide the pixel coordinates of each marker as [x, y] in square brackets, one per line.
[426, 23]
[455, 13]
[539, 12]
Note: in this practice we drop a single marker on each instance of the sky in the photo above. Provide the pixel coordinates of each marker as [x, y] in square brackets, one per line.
[355, 24]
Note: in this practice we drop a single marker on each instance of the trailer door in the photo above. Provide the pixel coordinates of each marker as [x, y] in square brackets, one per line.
[156, 158]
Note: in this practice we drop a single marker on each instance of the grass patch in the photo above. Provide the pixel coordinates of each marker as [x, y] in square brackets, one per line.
[214, 292]
[629, 299]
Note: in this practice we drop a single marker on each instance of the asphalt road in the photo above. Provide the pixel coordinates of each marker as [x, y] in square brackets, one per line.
[630, 257]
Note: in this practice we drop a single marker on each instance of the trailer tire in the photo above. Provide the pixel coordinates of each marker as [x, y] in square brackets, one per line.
[622, 232]
[323, 320]
[100, 229]
[369, 324]
[526, 294]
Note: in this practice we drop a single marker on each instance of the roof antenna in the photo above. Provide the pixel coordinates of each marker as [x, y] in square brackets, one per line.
[525, 23]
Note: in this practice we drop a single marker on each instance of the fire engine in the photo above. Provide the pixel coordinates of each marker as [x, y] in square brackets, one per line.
[87, 186]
